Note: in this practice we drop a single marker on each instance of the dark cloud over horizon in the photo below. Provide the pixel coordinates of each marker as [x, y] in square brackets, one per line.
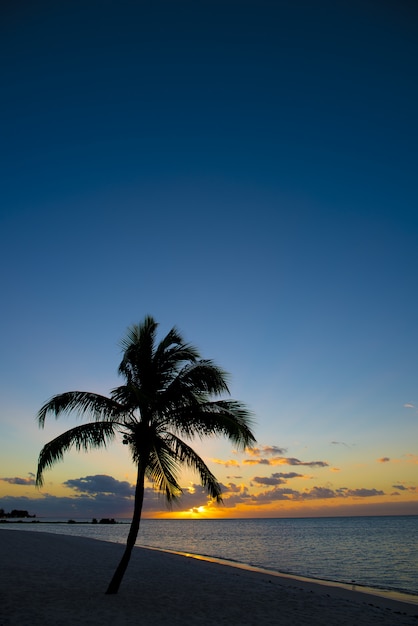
[104, 496]
[101, 484]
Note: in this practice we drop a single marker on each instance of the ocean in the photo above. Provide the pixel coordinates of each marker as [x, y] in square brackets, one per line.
[376, 552]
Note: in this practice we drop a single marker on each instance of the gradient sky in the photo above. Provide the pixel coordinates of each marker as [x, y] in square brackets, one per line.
[247, 172]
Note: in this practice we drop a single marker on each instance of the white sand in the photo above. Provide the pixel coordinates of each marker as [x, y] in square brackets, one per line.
[48, 579]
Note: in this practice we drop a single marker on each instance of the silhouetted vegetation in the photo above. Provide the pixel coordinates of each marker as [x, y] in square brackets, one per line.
[16, 513]
[168, 394]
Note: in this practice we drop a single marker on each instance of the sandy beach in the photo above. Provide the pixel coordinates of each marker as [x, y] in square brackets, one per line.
[48, 579]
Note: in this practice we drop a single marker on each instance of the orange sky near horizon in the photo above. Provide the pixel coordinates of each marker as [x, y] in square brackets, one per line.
[264, 481]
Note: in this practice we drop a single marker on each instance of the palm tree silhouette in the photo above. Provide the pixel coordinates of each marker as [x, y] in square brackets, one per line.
[168, 396]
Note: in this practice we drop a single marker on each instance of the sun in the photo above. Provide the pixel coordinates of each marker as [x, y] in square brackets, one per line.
[195, 512]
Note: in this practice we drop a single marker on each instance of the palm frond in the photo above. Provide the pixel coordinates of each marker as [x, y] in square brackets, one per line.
[129, 396]
[81, 402]
[201, 379]
[228, 418]
[138, 333]
[163, 468]
[138, 349]
[172, 351]
[186, 455]
[83, 437]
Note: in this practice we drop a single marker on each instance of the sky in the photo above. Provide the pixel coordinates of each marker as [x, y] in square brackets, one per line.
[246, 172]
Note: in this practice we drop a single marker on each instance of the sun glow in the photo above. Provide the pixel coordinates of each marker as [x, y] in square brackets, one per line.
[196, 512]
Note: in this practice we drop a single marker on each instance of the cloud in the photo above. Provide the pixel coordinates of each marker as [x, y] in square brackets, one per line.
[19, 481]
[278, 493]
[319, 493]
[101, 484]
[360, 493]
[102, 496]
[233, 494]
[229, 463]
[274, 495]
[365, 493]
[257, 462]
[292, 461]
[285, 461]
[267, 450]
[233, 488]
[288, 475]
[279, 478]
[105, 504]
[268, 480]
[409, 405]
[193, 497]
[81, 506]
[384, 459]
[340, 443]
[412, 489]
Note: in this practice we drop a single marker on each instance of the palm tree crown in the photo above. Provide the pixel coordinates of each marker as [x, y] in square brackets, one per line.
[170, 394]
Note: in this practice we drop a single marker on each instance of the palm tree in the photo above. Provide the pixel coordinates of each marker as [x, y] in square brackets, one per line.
[168, 396]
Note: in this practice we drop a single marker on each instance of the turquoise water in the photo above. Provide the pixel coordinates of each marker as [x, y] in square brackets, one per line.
[379, 552]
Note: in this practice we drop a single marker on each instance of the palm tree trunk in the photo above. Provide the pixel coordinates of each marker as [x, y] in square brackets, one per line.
[133, 533]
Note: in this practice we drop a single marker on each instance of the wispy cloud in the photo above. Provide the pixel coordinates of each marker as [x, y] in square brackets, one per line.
[410, 488]
[258, 462]
[384, 459]
[228, 463]
[266, 451]
[278, 493]
[285, 461]
[279, 478]
[409, 405]
[288, 475]
[363, 493]
[19, 481]
[268, 480]
[325, 492]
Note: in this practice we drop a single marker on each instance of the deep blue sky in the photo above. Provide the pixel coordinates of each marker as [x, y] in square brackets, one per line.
[244, 170]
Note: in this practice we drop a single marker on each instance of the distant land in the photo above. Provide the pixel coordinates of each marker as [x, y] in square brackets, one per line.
[16, 513]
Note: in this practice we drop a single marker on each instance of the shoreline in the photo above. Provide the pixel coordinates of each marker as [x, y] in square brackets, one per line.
[388, 594]
[50, 578]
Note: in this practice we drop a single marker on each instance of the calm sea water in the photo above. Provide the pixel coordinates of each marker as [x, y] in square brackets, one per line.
[379, 552]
